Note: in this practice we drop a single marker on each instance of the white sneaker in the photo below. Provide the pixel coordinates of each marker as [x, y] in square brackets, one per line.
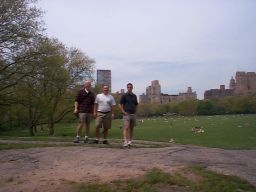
[86, 139]
[76, 140]
[129, 143]
[125, 144]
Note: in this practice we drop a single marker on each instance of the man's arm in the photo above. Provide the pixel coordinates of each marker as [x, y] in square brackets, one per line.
[76, 107]
[136, 104]
[95, 107]
[112, 111]
[121, 106]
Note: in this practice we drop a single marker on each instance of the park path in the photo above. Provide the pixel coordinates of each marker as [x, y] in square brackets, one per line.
[50, 168]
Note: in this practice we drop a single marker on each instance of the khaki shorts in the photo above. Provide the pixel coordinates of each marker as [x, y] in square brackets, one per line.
[85, 118]
[129, 120]
[103, 119]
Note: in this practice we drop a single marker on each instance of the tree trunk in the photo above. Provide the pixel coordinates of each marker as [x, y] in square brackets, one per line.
[51, 128]
[31, 130]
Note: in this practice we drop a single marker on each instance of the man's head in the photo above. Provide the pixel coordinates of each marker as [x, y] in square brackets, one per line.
[105, 89]
[87, 84]
[129, 87]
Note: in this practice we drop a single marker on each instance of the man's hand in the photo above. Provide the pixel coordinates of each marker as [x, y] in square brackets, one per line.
[76, 112]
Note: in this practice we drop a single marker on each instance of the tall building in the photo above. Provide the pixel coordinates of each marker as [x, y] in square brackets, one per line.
[144, 98]
[104, 78]
[187, 95]
[244, 83]
[155, 92]
[251, 81]
[232, 84]
[241, 83]
[218, 93]
[154, 95]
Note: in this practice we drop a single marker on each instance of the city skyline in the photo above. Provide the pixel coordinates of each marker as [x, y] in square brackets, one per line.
[221, 86]
[198, 44]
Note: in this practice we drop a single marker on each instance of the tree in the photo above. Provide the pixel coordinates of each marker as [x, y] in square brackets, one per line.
[20, 27]
[206, 107]
[45, 71]
[79, 66]
[46, 91]
[246, 104]
[187, 107]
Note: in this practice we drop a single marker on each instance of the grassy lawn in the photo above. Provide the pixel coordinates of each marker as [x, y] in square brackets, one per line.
[189, 179]
[224, 131]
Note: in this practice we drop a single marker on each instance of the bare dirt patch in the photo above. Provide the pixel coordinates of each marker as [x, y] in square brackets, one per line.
[53, 168]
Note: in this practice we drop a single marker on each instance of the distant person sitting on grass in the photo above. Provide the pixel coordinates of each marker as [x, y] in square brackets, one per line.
[84, 103]
[104, 113]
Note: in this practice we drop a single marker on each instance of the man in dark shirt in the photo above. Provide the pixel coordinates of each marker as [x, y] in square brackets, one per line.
[84, 103]
[128, 106]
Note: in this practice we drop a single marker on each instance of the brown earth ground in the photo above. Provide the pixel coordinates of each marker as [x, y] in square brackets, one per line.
[52, 168]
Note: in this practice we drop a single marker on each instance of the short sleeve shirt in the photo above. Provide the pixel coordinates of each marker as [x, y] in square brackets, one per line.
[130, 102]
[105, 102]
[85, 101]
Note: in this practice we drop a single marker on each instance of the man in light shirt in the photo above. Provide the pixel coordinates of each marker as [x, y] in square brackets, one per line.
[104, 113]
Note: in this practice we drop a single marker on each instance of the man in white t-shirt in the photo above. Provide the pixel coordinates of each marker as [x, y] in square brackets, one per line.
[104, 113]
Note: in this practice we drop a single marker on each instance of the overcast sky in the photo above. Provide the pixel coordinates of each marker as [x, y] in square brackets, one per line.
[181, 43]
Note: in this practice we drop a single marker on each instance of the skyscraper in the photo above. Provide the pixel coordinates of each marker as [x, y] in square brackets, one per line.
[104, 78]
